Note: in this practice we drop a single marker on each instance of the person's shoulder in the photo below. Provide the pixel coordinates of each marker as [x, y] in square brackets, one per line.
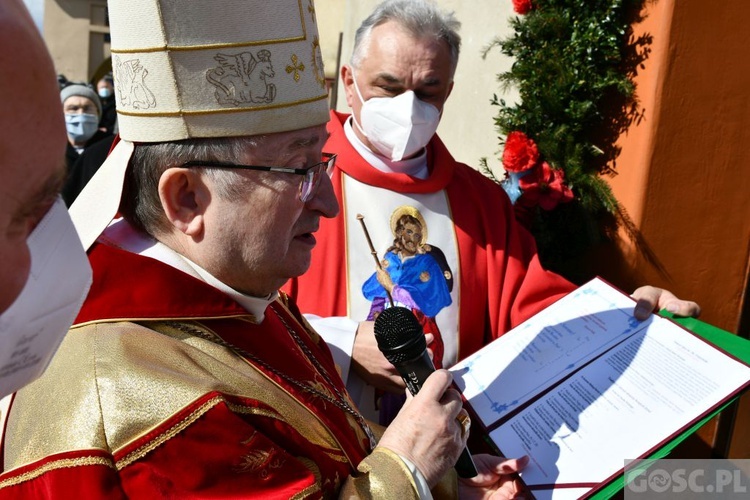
[470, 186]
[68, 393]
[462, 171]
[336, 123]
[99, 137]
[95, 154]
[476, 179]
[338, 117]
[85, 166]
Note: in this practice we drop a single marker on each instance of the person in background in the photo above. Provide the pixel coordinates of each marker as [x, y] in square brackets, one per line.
[187, 374]
[88, 143]
[62, 81]
[85, 167]
[105, 88]
[83, 110]
[396, 84]
[43, 268]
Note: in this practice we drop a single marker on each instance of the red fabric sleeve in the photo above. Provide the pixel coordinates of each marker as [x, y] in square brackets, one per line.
[219, 456]
[88, 474]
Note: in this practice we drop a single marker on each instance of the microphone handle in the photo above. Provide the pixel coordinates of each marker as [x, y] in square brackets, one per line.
[415, 372]
[465, 465]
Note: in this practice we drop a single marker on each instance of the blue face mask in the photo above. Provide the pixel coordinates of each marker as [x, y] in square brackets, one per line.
[81, 127]
[105, 92]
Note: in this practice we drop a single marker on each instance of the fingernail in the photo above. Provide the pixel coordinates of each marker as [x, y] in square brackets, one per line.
[641, 311]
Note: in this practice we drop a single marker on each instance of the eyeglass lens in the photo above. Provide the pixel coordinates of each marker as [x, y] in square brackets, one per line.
[311, 180]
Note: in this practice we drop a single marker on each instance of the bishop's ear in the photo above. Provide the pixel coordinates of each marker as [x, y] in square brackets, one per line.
[184, 197]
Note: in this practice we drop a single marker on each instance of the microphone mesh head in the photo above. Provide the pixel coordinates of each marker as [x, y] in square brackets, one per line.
[399, 334]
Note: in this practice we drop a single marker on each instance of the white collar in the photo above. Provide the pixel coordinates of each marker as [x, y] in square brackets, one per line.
[122, 235]
[415, 167]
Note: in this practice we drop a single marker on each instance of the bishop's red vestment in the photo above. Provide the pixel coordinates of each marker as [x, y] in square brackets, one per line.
[145, 399]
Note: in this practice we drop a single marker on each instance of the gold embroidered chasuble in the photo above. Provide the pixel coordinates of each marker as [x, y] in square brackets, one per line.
[143, 400]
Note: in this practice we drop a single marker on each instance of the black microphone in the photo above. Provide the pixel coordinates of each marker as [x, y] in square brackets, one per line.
[401, 340]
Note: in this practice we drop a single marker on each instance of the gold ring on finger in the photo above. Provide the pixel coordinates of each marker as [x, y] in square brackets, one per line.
[464, 421]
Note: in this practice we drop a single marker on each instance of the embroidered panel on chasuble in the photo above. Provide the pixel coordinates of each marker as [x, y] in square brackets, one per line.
[155, 396]
[431, 277]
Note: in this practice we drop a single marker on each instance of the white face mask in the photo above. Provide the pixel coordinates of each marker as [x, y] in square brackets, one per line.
[33, 326]
[397, 126]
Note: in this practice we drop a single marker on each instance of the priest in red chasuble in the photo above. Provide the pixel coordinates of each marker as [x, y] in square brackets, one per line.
[186, 374]
[398, 79]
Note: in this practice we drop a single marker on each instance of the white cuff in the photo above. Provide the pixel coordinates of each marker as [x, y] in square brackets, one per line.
[338, 332]
[422, 488]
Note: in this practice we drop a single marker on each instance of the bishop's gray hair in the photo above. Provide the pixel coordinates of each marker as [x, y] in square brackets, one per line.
[421, 18]
[140, 203]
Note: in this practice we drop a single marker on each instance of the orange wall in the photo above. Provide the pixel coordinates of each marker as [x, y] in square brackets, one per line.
[684, 170]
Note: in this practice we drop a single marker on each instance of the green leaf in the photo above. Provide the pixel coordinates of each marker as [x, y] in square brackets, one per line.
[573, 64]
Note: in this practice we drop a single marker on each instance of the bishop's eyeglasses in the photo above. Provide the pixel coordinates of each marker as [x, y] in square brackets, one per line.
[310, 175]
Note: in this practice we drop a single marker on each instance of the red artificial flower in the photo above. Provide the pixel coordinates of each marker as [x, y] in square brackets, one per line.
[520, 153]
[522, 6]
[544, 186]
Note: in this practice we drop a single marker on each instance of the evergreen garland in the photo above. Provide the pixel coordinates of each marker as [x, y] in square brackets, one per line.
[573, 64]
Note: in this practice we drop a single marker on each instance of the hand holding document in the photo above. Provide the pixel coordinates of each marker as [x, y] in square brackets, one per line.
[583, 385]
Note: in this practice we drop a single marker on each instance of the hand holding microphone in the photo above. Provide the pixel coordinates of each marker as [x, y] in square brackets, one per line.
[401, 340]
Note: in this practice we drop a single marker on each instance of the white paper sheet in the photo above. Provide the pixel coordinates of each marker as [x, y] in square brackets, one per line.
[654, 380]
[545, 349]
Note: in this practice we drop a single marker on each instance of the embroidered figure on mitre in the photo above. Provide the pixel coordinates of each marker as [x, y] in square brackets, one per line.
[131, 84]
[241, 78]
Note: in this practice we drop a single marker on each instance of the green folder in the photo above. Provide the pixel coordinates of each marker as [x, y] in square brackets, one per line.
[734, 345]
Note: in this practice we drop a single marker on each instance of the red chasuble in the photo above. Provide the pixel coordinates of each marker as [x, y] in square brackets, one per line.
[489, 262]
[143, 401]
